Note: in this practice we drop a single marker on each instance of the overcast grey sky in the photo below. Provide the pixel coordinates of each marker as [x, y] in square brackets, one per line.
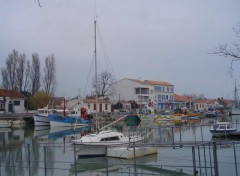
[163, 40]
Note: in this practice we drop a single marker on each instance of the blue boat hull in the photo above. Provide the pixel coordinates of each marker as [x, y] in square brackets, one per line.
[68, 121]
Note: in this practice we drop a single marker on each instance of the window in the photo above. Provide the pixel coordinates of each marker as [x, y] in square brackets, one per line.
[1, 105]
[106, 107]
[16, 103]
[113, 138]
[94, 108]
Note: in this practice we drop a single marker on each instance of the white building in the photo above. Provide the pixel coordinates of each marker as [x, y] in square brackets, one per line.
[11, 101]
[154, 95]
[90, 104]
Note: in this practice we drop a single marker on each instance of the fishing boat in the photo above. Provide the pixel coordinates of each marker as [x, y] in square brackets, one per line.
[72, 118]
[222, 129]
[41, 117]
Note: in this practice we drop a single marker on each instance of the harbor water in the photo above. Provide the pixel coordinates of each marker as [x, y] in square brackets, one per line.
[187, 149]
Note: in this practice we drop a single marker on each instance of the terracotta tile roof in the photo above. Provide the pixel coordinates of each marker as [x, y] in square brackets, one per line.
[151, 82]
[158, 83]
[201, 101]
[181, 98]
[11, 93]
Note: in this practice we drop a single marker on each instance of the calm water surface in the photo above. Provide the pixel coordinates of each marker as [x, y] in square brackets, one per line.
[29, 151]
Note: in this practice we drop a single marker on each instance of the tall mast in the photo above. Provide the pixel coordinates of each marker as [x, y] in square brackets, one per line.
[95, 56]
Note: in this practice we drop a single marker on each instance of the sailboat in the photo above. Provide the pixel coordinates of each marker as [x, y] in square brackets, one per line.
[104, 137]
[236, 108]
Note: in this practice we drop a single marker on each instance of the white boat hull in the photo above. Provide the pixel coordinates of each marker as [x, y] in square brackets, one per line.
[5, 124]
[62, 124]
[90, 151]
[128, 153]
[235, 111]
[41, 120]
[222, 129]
[222, 133]
[116, 152]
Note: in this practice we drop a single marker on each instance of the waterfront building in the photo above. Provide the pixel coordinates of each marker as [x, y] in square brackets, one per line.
[149, 95]
[11, 101]
[206, 104]
[102, 105]
[182, 102]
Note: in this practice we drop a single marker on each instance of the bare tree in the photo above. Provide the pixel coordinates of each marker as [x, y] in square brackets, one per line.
[20, 71]
[11, 66]
[35, 73]
[10, 72]
[13, 74]
[5, 79]
[26, 76]
[49, 80]
[230, 51]
[104, 87]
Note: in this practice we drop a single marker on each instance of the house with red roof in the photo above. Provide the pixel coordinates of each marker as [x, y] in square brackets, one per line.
[206, 104]
[11, 101]
[181, 102]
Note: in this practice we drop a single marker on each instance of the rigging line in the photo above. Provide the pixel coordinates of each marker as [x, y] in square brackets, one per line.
[103, 46]
[107, 58]
[89, 71]
[94, 10]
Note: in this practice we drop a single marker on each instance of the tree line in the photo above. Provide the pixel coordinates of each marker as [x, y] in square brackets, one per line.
[23, 74]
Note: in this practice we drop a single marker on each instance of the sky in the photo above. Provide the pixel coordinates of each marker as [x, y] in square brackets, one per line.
[158, 40]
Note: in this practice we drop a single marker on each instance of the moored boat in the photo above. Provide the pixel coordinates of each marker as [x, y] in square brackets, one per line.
[211, 114]
[71, 119]
[222, 129]
[5, 123]
[107, 138]
[41, 117]
[132, 119]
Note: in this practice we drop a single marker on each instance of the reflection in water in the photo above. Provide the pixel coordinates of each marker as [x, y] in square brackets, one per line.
[103, 164]
[46, 151]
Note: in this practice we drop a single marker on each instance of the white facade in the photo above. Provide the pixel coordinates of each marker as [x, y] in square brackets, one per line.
[149, 94]
[12, 105]
[90, 105]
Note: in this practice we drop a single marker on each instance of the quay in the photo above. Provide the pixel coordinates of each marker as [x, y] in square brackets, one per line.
[28, 117]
